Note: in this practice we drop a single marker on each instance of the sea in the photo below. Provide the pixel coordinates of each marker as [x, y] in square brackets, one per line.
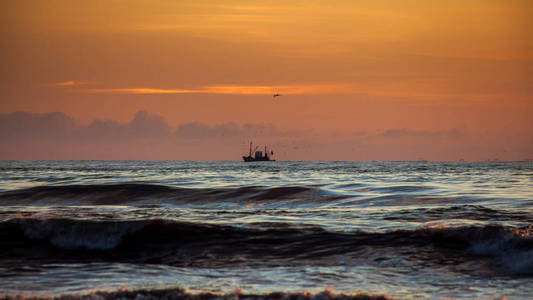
[402, 230]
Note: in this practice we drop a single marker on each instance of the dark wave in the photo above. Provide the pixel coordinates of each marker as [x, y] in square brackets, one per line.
[181, 294]
[470, 212]
[130, 193]
[209, 245]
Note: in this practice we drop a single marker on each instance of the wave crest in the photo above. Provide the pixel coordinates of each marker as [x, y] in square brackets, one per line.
[132, 193]
[180, 243]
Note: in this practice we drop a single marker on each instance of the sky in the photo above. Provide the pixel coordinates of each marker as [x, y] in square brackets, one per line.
[193, 80]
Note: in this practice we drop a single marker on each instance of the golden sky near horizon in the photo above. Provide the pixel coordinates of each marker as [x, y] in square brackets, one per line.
[341, 66]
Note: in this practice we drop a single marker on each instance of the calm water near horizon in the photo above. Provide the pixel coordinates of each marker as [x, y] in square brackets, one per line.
[404, 229]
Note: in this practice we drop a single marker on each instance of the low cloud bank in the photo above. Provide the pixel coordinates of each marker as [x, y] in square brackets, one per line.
[59, 126]
[197, 130]
[143, 126]
[55, 135]
[48, 126]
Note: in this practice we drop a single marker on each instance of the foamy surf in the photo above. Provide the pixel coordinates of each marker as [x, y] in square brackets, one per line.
[181, 294]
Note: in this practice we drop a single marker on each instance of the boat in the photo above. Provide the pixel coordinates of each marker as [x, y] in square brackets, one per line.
[258, 155]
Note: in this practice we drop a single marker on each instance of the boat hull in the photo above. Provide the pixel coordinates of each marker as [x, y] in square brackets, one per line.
[251, 159]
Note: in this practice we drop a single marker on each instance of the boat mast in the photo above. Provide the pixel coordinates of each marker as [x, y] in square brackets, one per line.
[250, 149]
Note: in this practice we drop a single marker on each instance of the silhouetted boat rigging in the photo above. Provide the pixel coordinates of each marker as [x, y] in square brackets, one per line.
[258, 155]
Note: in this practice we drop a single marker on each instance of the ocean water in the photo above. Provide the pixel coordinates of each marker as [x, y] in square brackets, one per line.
[401, 229]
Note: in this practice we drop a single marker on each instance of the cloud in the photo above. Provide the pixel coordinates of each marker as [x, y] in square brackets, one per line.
[231, 90]
[195, 130]
[394, 133]
[20, 124]
[55, 135]
[67, 83]
[142, 126]
[25, 135]
[281, 89]
[141, 91]
[57, 125]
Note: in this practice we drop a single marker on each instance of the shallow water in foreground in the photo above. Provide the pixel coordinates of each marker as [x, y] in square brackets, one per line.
[404, 229]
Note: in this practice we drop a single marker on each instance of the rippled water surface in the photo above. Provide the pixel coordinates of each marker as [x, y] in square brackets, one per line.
[404, 229]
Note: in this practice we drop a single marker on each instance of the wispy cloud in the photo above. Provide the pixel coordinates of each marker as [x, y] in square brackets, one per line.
[398, 133]
[67, 83]
[283, 89]
[138, 91]
[230, 90]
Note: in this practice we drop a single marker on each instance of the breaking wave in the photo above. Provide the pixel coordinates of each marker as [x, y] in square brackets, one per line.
[181, 294]
[191, 244]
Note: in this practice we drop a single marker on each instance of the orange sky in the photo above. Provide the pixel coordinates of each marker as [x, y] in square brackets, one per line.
[449, 79]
